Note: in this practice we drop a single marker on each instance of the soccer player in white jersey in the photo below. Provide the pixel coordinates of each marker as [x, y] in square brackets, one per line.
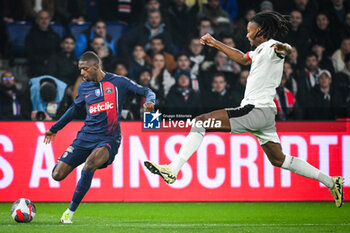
[257, 111]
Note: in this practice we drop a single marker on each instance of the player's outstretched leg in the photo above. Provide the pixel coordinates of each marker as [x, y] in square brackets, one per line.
[81, 189]
[98, 158]
[303, 168]
[190, 145]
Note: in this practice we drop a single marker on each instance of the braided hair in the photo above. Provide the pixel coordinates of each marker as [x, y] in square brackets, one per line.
[272, 24]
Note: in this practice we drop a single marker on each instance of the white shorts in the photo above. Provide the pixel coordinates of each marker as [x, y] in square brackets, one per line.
[258, 121]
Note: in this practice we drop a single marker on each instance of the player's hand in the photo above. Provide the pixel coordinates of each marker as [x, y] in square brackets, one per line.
[284, 49]
[148, 107]
[207, 39]
[49, 136]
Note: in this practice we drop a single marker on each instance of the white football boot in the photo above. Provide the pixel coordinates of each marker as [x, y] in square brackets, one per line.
[162, 170]
[67, 216]
[337, 190]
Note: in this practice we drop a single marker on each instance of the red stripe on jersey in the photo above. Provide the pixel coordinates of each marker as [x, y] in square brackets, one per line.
[249, 57]
[109, 93]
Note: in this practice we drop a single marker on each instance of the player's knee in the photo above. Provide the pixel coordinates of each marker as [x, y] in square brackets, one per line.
[57, 176]
[90, 165]
[276, 161]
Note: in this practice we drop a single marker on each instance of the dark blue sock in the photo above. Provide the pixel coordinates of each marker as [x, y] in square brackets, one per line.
[82, 187]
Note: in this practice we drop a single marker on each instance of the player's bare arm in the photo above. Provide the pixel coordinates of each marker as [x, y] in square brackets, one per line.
[49, 136]
[148, 107]
[234, 54]
[282, 48]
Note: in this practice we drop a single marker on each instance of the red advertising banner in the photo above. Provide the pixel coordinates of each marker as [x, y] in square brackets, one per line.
[227, 167]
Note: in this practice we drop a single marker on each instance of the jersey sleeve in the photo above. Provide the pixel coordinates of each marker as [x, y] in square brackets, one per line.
[140, 90]
[79, 99]
[66, 118]
[250, 55]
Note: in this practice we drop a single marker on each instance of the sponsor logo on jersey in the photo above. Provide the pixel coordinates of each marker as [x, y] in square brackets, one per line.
[100, 107]
[109, 90]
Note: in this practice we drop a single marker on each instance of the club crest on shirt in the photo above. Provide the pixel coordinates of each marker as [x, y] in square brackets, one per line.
[97, 92]
[109, 90]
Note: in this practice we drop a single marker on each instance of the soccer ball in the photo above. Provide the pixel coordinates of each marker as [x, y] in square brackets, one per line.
[23, 210]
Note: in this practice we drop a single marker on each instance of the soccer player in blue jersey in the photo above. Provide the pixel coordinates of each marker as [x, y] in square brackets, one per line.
[98, 140]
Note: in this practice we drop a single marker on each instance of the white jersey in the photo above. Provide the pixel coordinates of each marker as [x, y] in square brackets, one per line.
[264, 77]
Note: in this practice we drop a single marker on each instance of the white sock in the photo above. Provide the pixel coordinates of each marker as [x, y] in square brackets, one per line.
[71, 212]
[191, 144]
[303, 168]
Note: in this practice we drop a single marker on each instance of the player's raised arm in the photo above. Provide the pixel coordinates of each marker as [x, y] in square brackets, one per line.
[143, 91]
[234, 54]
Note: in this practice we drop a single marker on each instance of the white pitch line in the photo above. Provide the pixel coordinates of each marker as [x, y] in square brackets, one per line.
[142, 225]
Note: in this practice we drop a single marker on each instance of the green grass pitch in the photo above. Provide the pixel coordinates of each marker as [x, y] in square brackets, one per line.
[186, 217]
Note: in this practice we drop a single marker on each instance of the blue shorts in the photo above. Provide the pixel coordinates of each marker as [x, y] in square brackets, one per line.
[79, 150]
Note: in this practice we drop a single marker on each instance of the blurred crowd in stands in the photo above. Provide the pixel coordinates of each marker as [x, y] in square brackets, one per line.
[156, 44]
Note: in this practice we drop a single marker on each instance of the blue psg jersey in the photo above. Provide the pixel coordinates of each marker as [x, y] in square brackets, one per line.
[104, 101]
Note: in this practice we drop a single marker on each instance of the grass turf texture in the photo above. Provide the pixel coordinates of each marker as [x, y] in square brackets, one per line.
[186, 217]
